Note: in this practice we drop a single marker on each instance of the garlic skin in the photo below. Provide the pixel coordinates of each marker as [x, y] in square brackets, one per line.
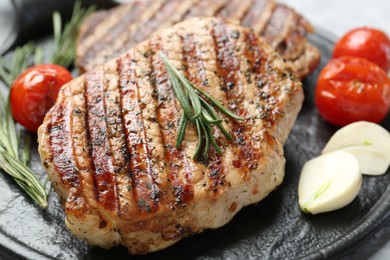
[368, 142]
[329, 182]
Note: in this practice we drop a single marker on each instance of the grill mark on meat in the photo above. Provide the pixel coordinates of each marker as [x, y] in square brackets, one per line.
[254, 55]
[109, 146]
[277, 27]
[102, 27]
[164, 13]
[170, 12]
[216, 173]
[168, 119]
[80, 149]
[127, 16]
[145, 13]
[139, 9]
[290, 36]
[86, 190]
[95, 21]
[258, 15]
[186, 9]
[169, 194]
[143, 184]
[194, 69]
[117, 141]
[196, 73]
[267, 107]
[128, 198]
[205, 8]
[155, 145]
[235, 9]
[257, 60]
[102, 162]
[61, 148]
[228, 68]
[292, 43]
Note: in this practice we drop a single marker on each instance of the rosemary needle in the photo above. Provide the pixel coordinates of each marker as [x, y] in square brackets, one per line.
[65, 41]
[182, 130]
[197, 111]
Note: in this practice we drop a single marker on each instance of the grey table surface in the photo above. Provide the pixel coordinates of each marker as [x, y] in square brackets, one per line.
[337, 17]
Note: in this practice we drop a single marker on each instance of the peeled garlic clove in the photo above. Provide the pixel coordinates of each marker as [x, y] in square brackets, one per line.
[368, 142]
[329, 182]
[360, 134]
[372, 161]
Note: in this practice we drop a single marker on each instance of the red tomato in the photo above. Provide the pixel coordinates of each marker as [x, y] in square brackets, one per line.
[352, 89]
[35, 91]
[368, 43]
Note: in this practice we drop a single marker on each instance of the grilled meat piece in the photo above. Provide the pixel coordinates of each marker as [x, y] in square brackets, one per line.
[108, 143]
[107, 34]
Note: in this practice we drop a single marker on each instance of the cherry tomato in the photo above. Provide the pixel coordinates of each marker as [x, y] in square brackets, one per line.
[352, 89]
[35, 91]
[368, 43]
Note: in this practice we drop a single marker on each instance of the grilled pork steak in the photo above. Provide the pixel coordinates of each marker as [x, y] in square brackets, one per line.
[107, 34]
[108, 143]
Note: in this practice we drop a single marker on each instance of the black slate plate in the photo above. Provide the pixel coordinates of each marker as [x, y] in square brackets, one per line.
[274, 228]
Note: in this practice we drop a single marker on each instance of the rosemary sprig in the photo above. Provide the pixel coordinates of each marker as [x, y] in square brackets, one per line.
[21, 59]
[197, 111]
[65, 41]
[10, 161]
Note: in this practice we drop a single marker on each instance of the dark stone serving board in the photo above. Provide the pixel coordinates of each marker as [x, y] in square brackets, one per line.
[275, 228]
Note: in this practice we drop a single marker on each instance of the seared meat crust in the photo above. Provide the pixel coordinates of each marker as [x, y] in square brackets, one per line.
[107, 34]
[108, 144]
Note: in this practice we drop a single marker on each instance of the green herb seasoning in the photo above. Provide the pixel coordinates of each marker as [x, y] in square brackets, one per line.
[10, 161]
[197, 111]
[65, 41]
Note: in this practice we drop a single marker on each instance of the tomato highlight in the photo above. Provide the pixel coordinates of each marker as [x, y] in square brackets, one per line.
[35, 91]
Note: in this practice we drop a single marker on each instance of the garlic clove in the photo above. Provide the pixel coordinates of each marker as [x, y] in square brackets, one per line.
[372, 161]
[368, 142]
[329, 182]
